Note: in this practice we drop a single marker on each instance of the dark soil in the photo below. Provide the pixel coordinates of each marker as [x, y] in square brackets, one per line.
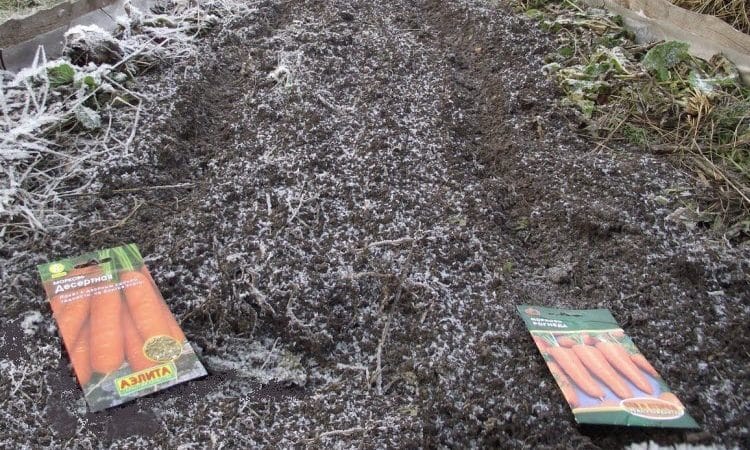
[397, 193]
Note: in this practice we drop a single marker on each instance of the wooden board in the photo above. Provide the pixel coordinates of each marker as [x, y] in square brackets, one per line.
[656, 20]
[21, 29]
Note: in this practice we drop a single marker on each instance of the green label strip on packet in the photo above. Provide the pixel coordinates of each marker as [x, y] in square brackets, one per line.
[138, 381]
[111, 260]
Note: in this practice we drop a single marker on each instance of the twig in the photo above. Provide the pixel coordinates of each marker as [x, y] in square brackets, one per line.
[358, 275]
[603, 144]
[138, 189]
[386, 328]
[359, 367]
[379, 354]
[346, 432]
[134, 129]
[270, 353]
[391, 242]
[725, 177]
[152, 188]
[296, 210]
[108, 15]
[400, 241]
[122, 222]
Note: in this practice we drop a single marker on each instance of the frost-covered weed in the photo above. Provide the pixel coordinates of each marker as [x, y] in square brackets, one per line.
[61, 120]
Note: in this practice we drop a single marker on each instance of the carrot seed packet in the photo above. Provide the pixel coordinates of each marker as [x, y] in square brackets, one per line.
[601, 373]
[121, 337]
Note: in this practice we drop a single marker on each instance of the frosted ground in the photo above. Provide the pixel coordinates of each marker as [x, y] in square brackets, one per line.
[343, 201]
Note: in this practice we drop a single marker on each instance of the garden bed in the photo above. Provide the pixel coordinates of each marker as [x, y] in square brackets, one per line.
[343, 202]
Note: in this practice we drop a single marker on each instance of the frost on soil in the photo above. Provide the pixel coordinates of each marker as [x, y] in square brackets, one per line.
[344, 201]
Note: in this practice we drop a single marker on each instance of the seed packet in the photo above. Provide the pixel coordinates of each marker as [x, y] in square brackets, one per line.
[121, 337]
[601, 373]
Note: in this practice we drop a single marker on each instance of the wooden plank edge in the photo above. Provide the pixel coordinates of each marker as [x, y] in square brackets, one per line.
[20, 29]
[654, 20]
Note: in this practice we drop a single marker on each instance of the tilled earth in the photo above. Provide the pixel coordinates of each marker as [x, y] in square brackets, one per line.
[343, 202]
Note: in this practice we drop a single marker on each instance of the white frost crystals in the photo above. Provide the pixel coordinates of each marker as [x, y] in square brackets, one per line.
[285, 73]
[62, 120]
[90, 43]
[88, 118]
[261, 362]
[31, 162]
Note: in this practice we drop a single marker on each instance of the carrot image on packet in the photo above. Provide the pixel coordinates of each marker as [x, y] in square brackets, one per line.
[603, 376]
[119, 333]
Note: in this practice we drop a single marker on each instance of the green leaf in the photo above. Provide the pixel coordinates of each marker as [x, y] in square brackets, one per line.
[89, 81]
[584, 105]
[61, 75]
[566, 52]
[663, 57]
[635, 135]
[710, 85]
[534, 14]
[90, 119]
[587, 107]
[551, 68]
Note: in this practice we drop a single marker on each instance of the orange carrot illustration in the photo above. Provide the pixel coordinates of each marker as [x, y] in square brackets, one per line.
[541, 343]
[174, 327]
[80, 354]
[146, 306]
[619, 358]
[71, 309]
[643, 364]
[588, 339]
[71, 317]
[107, 341]
[597, 364]
[575, 369]
[563, 381]
[565, 341]
[134, 344]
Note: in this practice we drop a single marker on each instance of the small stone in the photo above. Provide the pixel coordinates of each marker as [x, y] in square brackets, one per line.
[560, 274]
[694, 438]
[91, 44]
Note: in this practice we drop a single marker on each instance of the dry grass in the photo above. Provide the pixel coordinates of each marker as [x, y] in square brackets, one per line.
[659, 98]
[708, 131]
[733, 12]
